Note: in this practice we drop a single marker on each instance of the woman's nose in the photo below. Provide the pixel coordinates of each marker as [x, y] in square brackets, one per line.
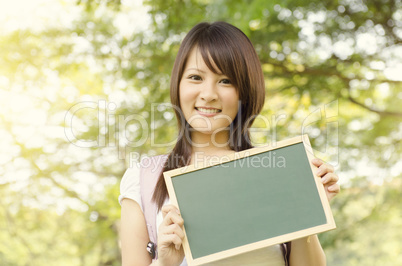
[208, 92]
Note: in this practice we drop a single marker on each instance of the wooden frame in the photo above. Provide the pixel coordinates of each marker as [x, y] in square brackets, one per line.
[169, 175]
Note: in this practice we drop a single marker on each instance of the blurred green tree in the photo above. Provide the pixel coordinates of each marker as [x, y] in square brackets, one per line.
[79, 104]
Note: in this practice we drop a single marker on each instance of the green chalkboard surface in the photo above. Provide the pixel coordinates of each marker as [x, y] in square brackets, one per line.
[263, 195]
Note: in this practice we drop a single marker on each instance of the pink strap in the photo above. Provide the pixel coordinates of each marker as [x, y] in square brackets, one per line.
[149, 173]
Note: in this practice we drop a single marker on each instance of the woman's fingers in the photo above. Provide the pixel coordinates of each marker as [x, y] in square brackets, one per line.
[320, 163]
[172, 234]
[323, 168]
[172, 239]
[172, 218]
[332, 191]
[329, 178]
[334, 188]
[330, 184]
[169, 208]
[171, 228]
[317, 162]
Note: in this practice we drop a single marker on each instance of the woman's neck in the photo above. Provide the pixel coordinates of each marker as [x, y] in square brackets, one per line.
[208, 146]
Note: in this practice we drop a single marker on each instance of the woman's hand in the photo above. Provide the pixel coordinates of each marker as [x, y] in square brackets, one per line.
[170, 237]
[328, 178]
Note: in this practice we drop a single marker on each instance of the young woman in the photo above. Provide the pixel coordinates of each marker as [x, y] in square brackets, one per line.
[217, 87]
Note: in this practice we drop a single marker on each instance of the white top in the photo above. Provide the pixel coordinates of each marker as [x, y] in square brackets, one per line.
[270, 256]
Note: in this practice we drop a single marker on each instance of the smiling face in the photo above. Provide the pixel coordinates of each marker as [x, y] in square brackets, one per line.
[209, 100]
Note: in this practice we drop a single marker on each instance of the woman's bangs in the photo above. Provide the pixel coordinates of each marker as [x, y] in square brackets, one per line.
[219, 59]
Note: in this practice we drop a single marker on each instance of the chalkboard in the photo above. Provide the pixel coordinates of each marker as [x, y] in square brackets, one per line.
[253, 199]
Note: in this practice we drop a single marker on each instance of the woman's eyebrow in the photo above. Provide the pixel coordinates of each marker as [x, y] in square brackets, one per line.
[202, 71]
[196, 69]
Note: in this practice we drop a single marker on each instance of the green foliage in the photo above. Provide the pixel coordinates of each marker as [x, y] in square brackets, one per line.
[327, 67]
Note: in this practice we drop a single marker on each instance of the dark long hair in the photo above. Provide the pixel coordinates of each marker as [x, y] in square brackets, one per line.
[234, 56]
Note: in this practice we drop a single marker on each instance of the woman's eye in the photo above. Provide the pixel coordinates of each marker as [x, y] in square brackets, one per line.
[195, 77]
[226, 81]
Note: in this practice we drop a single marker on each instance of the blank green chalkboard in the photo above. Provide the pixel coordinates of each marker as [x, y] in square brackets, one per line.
[256, 198]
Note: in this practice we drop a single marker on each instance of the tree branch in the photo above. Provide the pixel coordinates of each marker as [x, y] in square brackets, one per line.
[371, 109]
[319, 72]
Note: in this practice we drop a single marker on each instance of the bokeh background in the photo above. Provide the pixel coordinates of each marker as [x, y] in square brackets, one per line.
[83, 93]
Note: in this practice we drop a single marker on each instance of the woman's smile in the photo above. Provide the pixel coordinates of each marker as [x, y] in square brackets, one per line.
[208, 111]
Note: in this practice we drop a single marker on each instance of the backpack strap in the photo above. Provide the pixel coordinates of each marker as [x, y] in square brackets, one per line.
[150, 169]
[286, 247]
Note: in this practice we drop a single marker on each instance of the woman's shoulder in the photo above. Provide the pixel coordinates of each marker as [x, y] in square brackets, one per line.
[130, 185]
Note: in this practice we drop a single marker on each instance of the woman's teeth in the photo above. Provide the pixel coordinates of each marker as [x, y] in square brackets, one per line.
[209, 111]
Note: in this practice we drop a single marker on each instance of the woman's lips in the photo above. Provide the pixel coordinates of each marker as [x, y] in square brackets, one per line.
[205, 111]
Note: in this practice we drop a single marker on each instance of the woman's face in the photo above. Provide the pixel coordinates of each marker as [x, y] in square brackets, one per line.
[209, 101]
